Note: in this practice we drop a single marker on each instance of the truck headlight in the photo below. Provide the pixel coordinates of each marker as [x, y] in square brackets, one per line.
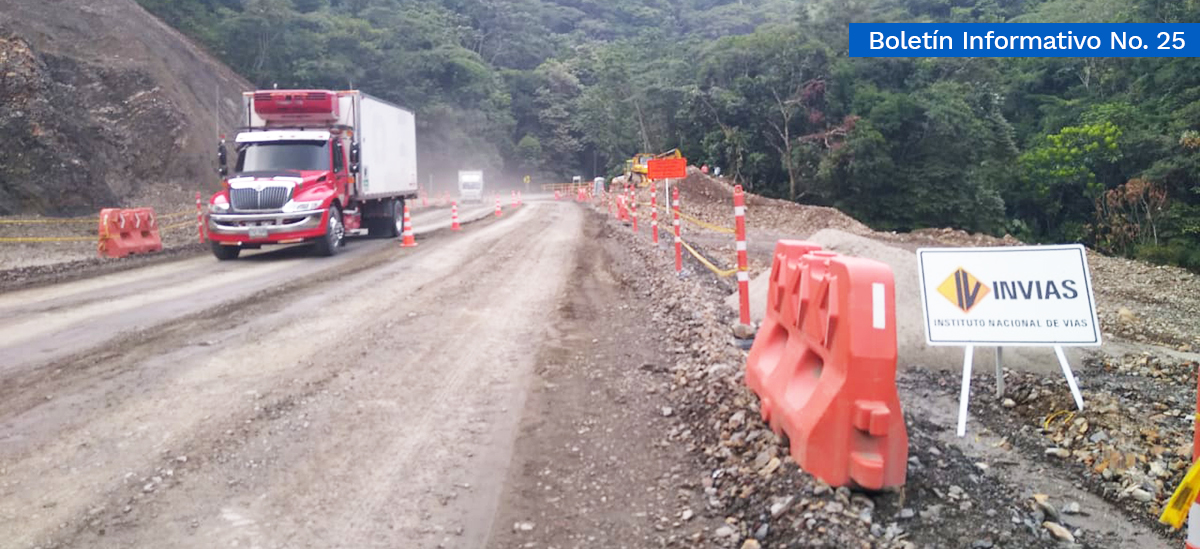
[218, 207]
[302, 206]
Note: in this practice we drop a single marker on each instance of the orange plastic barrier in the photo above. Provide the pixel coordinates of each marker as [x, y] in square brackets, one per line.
[824, 366]
[124, 232]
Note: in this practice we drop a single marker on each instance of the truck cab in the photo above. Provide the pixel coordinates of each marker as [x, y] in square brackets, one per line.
[282, 190]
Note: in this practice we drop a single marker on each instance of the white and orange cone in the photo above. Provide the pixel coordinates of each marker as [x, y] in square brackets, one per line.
[499, 210]
[409, 240]
[454, 216]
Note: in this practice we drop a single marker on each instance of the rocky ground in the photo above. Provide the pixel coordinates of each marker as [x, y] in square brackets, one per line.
[1038, 473]
[753, 486]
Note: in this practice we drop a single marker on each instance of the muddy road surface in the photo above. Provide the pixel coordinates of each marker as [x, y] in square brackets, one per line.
[280, 400]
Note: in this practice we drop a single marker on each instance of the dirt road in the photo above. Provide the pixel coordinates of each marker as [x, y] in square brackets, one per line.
[370, 400]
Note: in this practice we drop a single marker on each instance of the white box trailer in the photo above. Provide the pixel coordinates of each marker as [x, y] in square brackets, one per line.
[386, 135]
[387, 140]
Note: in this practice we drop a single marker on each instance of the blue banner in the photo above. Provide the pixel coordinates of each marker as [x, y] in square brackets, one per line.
[1024, 40]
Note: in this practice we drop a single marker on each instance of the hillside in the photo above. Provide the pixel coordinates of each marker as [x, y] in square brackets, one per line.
[766, 90]
[103, 103]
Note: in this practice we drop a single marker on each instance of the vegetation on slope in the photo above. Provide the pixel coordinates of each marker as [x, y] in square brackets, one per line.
[1103, 151]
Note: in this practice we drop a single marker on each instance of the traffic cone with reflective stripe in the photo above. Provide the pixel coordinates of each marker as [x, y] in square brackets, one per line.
[499, 210]
[454, 216]
[409, 240]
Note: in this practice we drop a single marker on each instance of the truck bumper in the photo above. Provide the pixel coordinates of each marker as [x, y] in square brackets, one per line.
[266, 228]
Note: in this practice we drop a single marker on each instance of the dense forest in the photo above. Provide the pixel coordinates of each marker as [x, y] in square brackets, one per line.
[1101, 151]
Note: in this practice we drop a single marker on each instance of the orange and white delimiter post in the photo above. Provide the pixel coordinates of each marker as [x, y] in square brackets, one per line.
[633, 211]
[654, 213]
[678, 235]
[743, 262]
[454, 226]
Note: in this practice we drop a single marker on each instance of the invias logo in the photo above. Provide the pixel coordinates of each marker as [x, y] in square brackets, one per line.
[963, 290]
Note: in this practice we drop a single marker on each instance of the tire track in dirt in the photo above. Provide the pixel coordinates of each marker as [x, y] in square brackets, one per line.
[149, 392]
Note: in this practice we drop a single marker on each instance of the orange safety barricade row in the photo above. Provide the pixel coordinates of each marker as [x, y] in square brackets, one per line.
[824, 366]
[128, 231]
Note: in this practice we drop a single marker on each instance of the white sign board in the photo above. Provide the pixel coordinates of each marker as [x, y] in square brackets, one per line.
[1018, 296]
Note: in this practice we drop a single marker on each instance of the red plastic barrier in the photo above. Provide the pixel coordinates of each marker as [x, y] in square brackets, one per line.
[125, 232]
[824, 366]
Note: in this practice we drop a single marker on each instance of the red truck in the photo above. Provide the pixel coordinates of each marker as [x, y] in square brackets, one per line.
[313, 166]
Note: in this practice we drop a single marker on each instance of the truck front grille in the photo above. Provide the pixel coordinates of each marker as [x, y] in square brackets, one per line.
[270, 198]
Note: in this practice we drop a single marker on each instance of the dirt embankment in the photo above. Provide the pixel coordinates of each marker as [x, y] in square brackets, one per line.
[104, 104]
[1138, 303]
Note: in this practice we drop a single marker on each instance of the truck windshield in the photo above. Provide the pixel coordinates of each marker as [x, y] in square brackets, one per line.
[284, 155]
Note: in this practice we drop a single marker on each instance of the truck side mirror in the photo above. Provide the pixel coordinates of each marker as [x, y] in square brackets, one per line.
[222, 159]
[354, 160]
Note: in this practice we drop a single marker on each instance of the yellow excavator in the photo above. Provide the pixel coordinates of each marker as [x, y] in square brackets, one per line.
[636, 168]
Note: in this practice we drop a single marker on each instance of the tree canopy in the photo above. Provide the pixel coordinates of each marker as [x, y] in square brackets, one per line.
[1102, 151]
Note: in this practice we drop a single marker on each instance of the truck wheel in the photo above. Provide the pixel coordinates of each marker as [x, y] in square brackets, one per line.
[335, 234]
[390, 224]
[225, 253]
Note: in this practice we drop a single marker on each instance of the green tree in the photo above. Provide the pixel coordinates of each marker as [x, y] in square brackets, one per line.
[1058, 176]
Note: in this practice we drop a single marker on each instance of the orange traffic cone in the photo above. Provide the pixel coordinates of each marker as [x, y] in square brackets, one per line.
[454, 216]
[499, 212]
[409, 240]
[556, 195]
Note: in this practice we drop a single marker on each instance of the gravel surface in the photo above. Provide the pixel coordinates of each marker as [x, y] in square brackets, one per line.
[753, 486]
[291, 408]
[995, 488]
